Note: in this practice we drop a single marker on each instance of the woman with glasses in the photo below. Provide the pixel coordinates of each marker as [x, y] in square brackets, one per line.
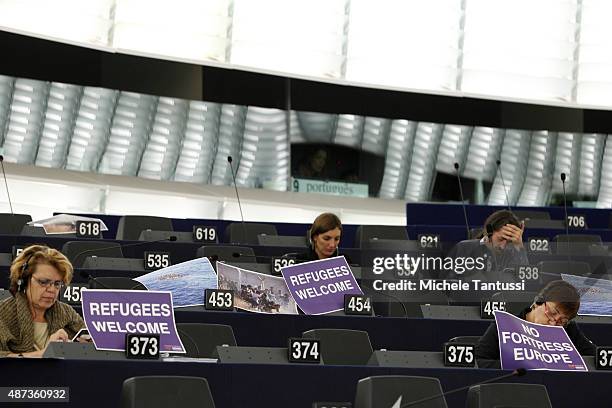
[556, 305]
[33, 316]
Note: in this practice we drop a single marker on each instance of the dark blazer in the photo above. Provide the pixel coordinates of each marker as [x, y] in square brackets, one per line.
[17, 328]
[311, 255]
[509, 257]
[487, 349]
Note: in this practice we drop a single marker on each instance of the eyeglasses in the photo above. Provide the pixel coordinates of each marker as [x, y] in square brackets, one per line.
[47, 283]
[554, 316]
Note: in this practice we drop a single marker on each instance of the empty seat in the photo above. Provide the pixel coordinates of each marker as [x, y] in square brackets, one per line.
[130, 226]
[227, 253]
[544, 224]
[235, 232]
[282, 240]
[12, 224]
[342, 346]
[408, 305]
[155, 235]
[552, 269]
[115, 282]
[78, 251]
[515, 301]
[392, 244]
[508, 395]
[31, 231]
[201, 340]
[255, 267]
[166, 392]
[396, 390]
[366, 233]
[465, 339]
[532, 215]
[576, 244]
[251, 355]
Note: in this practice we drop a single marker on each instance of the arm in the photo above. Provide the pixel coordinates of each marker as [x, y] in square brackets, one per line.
[487, 349]
[31, 354]
[74, 321]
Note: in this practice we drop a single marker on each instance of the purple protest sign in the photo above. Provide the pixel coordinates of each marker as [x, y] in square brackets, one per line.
[111, 314]
[319, 286]
[535, 346]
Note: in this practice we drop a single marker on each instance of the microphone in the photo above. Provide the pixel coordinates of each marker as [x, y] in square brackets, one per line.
[519, 372]
[171, 238]
[244, 230]
[501, 174]
[6, 184]
[467, 224]
[565, 206]
[394, 298]
[566, 219]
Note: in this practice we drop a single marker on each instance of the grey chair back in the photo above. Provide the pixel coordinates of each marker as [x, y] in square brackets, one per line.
[235, 232]
[130, 226]
[227, 253]
[201, 339]
[342, 346]
[115, 282]
[12, 224]
[166, 392]
[508, 395]
[78, 251]
[387, 390]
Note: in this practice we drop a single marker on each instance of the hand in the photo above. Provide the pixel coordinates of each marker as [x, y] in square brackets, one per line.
[59, 335]
[86, 338]
[35, 354]
[513, 234]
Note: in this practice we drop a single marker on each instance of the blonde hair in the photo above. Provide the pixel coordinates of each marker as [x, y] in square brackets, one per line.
[25, 265]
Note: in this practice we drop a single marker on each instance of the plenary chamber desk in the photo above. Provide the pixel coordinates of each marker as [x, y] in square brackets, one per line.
[98, 383]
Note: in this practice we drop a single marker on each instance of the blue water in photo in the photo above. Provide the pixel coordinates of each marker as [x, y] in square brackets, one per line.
[595, 294]
[186, 281]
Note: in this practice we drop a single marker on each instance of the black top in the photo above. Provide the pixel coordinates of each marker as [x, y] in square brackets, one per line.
[311, 255]
[307, 256]
[487, 349]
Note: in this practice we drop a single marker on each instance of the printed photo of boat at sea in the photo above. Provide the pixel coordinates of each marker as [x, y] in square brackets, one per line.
[595, 294]
[186, 281]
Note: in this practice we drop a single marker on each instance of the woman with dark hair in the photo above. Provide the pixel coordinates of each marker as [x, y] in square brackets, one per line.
[323, 238]
[556, 304]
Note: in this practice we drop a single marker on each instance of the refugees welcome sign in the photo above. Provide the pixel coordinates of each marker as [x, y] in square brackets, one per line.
[535, 346]
[319, 286]
[111, 314]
